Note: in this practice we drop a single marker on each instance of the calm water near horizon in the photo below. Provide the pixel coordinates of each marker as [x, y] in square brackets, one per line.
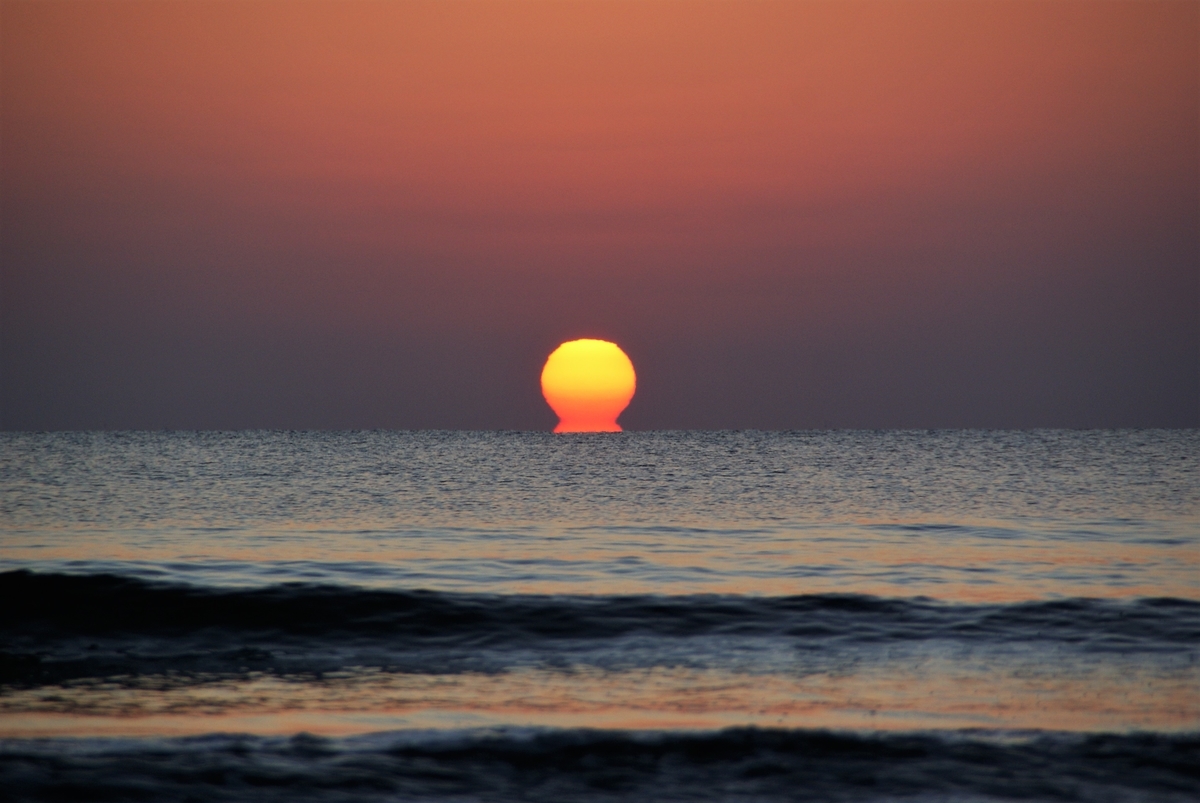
[496, 615]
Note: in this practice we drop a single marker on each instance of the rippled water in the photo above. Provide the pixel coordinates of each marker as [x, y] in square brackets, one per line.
[432, 586]
[951, 515]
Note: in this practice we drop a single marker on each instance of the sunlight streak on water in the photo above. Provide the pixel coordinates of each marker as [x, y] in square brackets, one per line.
[934, 691]
[976, 561]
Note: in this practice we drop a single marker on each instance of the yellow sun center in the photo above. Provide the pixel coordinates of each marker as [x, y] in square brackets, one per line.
[588, 383]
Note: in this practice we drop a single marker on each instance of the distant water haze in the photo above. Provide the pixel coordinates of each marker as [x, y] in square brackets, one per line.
[955, 515]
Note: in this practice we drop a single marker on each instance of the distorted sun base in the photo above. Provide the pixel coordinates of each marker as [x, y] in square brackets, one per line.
[588, 383]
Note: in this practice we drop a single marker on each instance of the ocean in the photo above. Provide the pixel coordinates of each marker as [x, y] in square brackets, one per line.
[736, 616]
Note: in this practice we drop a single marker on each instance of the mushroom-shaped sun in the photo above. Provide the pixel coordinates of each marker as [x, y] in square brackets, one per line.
[588, 383]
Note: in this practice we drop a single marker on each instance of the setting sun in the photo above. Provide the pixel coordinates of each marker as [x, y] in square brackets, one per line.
[588, 383]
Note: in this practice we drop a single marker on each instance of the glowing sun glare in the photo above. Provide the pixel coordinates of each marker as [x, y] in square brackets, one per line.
[588, 383]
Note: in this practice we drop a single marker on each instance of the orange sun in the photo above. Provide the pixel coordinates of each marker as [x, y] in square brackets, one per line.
[588, 383]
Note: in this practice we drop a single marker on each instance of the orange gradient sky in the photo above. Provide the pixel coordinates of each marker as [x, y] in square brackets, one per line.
[789, 214]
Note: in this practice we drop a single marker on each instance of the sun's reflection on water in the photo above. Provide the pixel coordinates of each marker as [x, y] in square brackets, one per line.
[932, 695]
[975, 561]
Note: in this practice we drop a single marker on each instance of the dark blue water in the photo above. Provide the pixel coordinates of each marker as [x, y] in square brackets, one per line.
[733, 765]
[493, 616]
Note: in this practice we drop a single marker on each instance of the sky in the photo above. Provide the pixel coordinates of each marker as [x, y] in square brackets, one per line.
[790, 215]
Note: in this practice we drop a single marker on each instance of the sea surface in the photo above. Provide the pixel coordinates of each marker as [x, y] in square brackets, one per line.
[292, 616]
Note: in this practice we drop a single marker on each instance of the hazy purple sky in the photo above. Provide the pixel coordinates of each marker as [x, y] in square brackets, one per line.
[789, 214]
